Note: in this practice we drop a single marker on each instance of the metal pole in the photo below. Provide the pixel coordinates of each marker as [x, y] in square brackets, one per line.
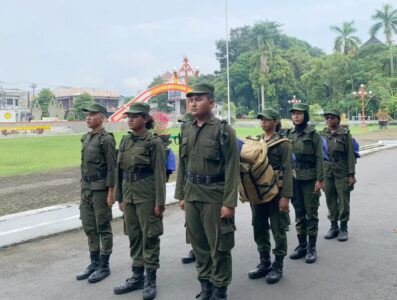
[227, 65]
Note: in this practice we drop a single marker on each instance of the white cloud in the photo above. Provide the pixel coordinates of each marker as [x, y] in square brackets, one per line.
[134, 84]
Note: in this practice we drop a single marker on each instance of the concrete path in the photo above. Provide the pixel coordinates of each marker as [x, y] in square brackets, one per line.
[364, 267]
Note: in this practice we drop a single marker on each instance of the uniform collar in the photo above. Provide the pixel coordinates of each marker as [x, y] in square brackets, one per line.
[143, 135]
[338, 130]
[211, 120]
[99, 131]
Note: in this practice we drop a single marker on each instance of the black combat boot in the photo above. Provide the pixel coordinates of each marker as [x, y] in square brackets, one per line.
[102, 271]
[206, 290]
[94, 256]
[333, 231]
[311, 255]
[277, 270]
[133, 283]
[189, 258]
[263, 268]
[149, 289]
[301, 250]
[219, 293]
[343, 236]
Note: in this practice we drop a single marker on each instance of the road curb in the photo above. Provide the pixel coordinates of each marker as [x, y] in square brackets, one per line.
[28, 225]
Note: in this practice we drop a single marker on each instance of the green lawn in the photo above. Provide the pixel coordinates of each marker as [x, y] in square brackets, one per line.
[27, 154]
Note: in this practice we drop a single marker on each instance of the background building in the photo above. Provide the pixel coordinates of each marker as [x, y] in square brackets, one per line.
[68, 95]
[16, 102]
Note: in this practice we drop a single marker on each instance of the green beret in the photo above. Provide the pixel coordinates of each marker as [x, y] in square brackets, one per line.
[269, 114]
[299, 107]
[202, 88]
[187, 117]
[139, 108]
[95, 107]
[332, 111]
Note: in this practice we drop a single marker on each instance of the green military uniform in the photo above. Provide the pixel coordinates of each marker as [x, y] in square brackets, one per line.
[280, 158]
[307, 147]
[186, 118]
[140, 185]
[337, 170]
[207, 180]
[98, 163]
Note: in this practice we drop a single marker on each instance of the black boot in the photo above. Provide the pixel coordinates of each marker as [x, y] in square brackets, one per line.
[263, 268]
[149, 289]
[343, 235]
[333, 231]
[311, 255]
[219, 293]
[277, 270]
[206, 290]
[102, 271]
[189, 258]
[133, 283]
[301, 250]
[94, 256]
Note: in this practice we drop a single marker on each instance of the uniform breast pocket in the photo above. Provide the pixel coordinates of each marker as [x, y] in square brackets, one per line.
[93, 154]
[184, 147]
[307, 146]
[141, 156]
[339, 146]
[211, 150]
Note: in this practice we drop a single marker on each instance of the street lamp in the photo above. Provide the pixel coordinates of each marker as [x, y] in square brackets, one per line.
[362, 93]
[294, 100]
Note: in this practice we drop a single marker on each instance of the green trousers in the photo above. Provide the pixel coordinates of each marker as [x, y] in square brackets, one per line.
[212, 239]
[337, 193]
[261, 215]
[96, 217]
[143, 229]
[306, 203]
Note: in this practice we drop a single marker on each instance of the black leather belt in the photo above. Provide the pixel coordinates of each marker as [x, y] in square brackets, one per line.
[137, 176]
[201, 179]
[89, 178]
[305, 165]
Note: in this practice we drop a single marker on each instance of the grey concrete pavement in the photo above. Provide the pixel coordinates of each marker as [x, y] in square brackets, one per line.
[364, 267]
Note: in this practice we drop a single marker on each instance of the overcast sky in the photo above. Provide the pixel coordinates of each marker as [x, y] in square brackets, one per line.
[123, 44]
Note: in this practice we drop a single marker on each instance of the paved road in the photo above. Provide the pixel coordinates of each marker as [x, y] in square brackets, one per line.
[362, 268]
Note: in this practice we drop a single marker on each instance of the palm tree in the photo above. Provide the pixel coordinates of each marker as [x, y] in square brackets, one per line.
[388, 20]
[350, 43]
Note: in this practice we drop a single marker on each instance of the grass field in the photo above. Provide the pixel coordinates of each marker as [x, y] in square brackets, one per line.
[27, 154]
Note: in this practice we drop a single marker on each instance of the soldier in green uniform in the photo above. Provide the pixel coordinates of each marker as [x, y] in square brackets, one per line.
[98, 164]
[308, 167]
[207, 190]
[339, 173]
[190, 257]
[140, 191]
[280, 158]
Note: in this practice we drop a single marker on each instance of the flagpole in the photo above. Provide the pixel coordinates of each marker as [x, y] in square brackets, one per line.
[227, 64]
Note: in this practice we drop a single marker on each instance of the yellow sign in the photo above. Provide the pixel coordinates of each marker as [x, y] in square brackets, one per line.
[26, 127]
[7, 115]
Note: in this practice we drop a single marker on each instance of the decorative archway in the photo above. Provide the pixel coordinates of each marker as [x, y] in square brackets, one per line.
[146, 95]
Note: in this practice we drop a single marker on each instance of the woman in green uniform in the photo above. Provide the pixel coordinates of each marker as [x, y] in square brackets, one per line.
[140, 191]
[309, 177]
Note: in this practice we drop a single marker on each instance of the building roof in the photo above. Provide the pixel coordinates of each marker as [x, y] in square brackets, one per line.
[372, 41]
[64, 91]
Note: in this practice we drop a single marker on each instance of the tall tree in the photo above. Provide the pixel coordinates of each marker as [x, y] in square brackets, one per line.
[44, 97]
[388, 20]
[82, 101]
[345, 38]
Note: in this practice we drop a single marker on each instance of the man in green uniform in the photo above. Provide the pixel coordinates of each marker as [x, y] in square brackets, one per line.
[140, 191]
[339, 173]
[187, 117]
[280, 158]
[98, 163]
[207, 189]
[308, 151]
